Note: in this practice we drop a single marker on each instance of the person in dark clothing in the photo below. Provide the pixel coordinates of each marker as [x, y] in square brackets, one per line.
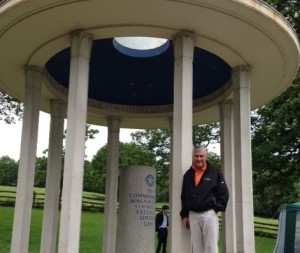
[161, 227]
[204, 193]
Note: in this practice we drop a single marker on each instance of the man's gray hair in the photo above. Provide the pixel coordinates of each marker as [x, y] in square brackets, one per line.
[199, 147]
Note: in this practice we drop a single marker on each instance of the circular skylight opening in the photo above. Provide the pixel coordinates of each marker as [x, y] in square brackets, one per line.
[141, 46]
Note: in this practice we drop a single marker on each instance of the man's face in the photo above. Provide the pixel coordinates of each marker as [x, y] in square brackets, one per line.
[199, 158]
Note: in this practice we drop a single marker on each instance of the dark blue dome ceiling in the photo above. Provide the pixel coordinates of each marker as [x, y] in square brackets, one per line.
[121, 79]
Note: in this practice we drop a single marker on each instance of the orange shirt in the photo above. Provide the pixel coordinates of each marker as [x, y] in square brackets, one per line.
[198, 173]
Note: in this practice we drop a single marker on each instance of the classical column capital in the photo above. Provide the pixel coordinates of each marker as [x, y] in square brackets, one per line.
[241, 76]
[58, 108]
[33, 76]
[113, 124]
[81, 43]
[184, 42]
[241, 68]
[184, 34]
[228, 101]
[226, 107]
[33, 68]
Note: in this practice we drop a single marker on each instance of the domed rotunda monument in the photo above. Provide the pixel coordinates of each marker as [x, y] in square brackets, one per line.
[213, 61]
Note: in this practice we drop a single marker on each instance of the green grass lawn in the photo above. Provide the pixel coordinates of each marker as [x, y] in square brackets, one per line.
[90, 239]
[91, 232]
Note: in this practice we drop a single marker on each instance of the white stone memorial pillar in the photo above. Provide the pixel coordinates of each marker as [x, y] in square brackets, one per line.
[243, 163]
[227, 159]
[52, 192]
[182, 136]
[136, 223]
[75, 143]
[111, 186]
[22, 216]
[170, 180]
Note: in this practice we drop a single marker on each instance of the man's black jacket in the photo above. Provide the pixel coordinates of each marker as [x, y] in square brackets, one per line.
[210, 193]
[159, 220]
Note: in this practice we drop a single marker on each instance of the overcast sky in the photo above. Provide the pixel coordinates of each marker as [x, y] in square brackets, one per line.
[10, 138]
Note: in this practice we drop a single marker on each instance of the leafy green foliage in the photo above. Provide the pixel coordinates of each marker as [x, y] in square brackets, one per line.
[290, 9]
[275, 151]
[214, 159]
[90, 132]
[10, 109]
[40, 172]
[276, 138]
[206, 134]
[91, 178]
[157, 145]
[129, 154]
[8, 171]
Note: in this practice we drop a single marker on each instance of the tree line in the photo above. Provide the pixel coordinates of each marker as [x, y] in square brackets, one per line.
[148, 147]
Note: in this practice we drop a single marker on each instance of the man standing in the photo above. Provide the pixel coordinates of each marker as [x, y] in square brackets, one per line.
[161, 227]
[204, 193]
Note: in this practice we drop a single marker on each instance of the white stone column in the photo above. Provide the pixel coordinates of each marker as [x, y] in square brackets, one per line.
[243, 163]
[22, 216]
[75, 143]
[182, 136]
[174, 216]
[51, 206]
[228, 168]
[111, 186]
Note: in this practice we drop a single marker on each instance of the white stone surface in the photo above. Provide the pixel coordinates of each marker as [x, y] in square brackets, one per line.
[22, 216]
[241, 78]
[111, 186]
[182, 137]
[228, 169]
[52, 191]
[136, 219]
[75, 144]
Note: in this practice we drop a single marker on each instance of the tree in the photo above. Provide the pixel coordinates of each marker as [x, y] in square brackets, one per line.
[91, 178]
[290, 9]
[214, 159]
[129, 154]
[10, 109]
[276, 146]
[157, 145]
[40, 172]
[8, 171]
[207, 134]
[276, 138]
